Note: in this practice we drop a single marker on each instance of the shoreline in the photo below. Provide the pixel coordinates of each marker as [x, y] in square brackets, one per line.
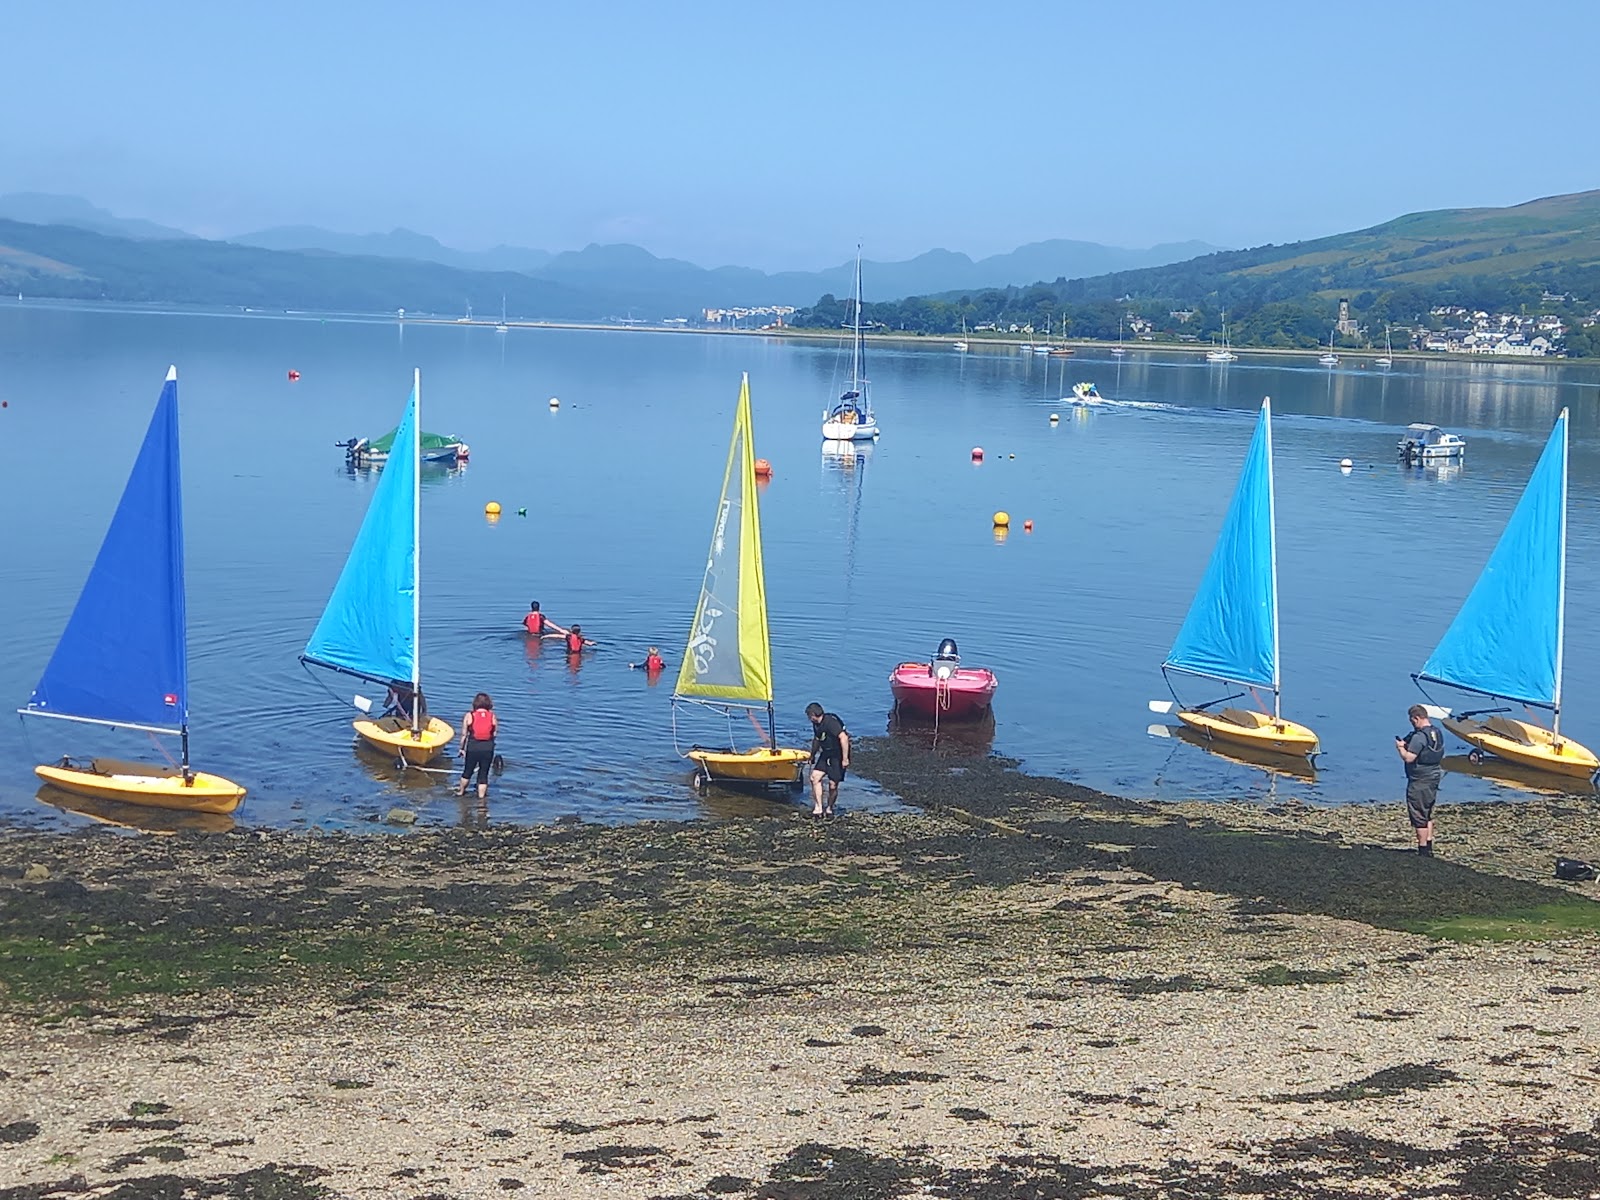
[937, 340]
[1022, 987]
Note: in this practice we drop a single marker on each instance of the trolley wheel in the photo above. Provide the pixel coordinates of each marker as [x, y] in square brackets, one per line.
[1475, 757]
[400, 762]
[701, 781]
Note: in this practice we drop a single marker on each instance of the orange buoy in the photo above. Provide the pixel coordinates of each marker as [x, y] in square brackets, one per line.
[294, 376]
[1027, 527]
[763, 468]
[977, 454]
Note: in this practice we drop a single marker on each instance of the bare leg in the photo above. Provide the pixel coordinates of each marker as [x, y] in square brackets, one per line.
[833, 797]
[483, 791]
[816, 792]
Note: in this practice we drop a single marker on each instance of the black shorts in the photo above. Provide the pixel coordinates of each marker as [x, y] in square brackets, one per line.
[833, 768]
[1421, 793]
[479, 758]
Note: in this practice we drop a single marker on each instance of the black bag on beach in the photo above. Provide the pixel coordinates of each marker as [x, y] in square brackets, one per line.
[1575, 870]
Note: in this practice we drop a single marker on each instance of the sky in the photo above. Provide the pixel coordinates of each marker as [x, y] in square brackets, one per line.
[778, 135]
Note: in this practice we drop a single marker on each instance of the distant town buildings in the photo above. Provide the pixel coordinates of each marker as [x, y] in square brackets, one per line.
[767, 314]
[1478, 332]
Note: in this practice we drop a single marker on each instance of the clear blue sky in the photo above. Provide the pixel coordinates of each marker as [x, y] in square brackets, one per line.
[776, 135]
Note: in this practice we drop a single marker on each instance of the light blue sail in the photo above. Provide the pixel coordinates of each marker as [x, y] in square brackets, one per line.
[122, 658]
[1507, 639]
[1231, 631]
[368, 627]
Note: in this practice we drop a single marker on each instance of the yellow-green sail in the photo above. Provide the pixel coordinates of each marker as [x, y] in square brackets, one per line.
[729, 656]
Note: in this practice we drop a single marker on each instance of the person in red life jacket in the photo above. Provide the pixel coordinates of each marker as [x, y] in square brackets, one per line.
[575, 642]
[652, 663]
[478, 729]
[539, 625]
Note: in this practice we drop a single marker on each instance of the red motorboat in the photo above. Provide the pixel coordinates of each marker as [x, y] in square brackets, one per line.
[942, 688]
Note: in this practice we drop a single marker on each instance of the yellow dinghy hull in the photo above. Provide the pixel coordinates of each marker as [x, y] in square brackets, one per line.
[146, 784]
[1527, 745]
[760, 765]
[395, 737]
[1252, 730]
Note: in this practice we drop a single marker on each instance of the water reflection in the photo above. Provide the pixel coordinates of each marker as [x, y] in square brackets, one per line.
[959, 738]
[1272, 764]
[1523, 779]
[134, 816]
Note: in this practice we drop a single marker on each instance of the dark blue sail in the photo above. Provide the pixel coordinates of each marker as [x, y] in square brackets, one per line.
[122, 659]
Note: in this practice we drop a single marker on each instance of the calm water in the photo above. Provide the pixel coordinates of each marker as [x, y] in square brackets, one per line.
[871, 557]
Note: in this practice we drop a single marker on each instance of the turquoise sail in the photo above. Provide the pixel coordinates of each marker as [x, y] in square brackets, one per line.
[1231, 632]
[1507, 639]
[369, 625]
[122, 659]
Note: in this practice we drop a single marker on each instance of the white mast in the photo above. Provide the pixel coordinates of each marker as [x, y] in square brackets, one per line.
[1561, 590]
[855, 357]
[416, 551]
[1272, 524]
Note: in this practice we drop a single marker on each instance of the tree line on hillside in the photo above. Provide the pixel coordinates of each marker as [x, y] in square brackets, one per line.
[1284, 310]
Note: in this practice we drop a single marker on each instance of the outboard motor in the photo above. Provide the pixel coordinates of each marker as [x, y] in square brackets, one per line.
[945, 660]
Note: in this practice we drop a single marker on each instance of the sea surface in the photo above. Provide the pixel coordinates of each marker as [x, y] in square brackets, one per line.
[872, 554]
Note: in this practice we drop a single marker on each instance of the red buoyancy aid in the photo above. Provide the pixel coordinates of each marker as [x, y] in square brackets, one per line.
[482, 725]
[574, 643]
[653, 662]
[534, 622]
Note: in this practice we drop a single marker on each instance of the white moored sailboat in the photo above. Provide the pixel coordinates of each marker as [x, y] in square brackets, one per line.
[371, 627]
[852, 418]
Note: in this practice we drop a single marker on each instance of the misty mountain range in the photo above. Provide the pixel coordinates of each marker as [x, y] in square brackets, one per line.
[630, 277]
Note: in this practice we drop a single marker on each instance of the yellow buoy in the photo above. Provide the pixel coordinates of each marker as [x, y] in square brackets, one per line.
[1002, 520]
[492, 508]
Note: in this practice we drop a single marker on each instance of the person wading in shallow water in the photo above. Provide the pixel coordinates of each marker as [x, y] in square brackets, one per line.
[1422, 750]
[478, 728]
[830, 758]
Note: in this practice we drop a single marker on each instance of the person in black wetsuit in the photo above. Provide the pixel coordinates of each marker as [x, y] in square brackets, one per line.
[830, 758]
[1422, 751]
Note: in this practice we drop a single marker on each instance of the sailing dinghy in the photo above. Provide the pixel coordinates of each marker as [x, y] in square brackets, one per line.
[371, 627]
[1507, 641]
[123, 659]
[1231, 632]
[728, 663]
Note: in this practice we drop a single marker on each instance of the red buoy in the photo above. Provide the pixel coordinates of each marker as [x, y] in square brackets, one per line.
[294, 376]
[1027, 527]
[977, 454]
[763, 468]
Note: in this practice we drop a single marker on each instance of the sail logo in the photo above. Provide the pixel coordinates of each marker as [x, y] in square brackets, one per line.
[170, 699]
[702, 646]
[719, 539]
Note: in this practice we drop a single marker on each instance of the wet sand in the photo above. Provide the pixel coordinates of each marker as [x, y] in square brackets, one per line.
[1024, 989]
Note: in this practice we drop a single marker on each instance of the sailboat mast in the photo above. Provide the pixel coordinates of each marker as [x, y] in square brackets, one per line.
[416, 552]
[1561, 590]
[855, 357]
[1272, 524]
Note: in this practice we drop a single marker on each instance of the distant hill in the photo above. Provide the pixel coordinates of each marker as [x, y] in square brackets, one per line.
[42, 208]
[397, 243]
[71, 263]
[1495, 259]
[1555, 240]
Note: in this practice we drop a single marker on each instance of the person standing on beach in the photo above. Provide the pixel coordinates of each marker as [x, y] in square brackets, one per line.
[1422, 751]
[830, 758]
[478, 729]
